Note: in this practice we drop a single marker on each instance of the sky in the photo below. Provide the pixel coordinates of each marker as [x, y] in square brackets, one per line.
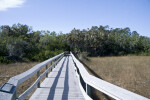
[64, 15]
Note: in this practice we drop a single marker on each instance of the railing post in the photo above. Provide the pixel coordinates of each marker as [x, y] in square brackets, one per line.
[15, 95]
[54, 62]
[38, 74]
[88, 90]
[50, 65]
[8, 91]
[46, 69]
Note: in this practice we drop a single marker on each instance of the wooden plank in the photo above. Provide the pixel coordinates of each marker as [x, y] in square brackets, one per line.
[105, 87]
[18, 79]
[61, 83]
[36, 83]
[6, 96]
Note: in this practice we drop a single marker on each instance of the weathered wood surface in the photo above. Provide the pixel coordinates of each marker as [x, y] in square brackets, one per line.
[64, 82]
[105, 87]
[36, 83]
[18, 79]
[61, 83]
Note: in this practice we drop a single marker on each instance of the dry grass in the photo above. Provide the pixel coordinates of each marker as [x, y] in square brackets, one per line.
[9, 70]
[129, 72]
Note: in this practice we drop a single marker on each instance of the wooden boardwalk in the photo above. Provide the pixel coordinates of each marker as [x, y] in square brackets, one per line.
[69, 80]
[61, 83]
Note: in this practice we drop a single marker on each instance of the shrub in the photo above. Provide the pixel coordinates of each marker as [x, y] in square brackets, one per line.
[83, 56]
[4, 60]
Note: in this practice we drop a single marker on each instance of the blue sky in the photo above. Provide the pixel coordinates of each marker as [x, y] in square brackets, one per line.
[64, 15]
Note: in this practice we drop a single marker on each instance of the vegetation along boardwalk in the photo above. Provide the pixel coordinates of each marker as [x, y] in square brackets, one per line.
[68, 80]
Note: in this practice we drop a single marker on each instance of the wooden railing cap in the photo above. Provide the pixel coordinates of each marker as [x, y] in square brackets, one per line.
[109, 89]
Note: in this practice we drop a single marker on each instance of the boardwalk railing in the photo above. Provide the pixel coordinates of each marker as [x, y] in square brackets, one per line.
[9, 89]
[88, 81]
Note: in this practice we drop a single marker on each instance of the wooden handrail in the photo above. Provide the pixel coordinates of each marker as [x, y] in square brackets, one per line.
[18, 79]
[23, 95]
[107, 88]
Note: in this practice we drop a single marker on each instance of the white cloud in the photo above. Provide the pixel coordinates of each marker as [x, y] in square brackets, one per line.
[5, 4]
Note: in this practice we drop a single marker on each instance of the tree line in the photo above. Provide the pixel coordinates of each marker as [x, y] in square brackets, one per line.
[20, 43]
[105, 41]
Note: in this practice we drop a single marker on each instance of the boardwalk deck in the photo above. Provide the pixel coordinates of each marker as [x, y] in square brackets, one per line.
[61, 83]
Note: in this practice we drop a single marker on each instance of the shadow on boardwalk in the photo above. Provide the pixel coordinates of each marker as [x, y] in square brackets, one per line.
[66, 85]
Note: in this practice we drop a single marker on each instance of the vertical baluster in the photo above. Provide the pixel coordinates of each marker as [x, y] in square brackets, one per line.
[15, 94]
[38, 74]
[88, 90]
[50, 65]
[46, 69]
[54, 65]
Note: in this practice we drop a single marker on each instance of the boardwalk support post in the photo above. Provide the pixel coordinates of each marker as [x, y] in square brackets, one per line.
[38, 74]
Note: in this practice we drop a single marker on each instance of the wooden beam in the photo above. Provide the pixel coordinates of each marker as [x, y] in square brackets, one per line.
[107, 88]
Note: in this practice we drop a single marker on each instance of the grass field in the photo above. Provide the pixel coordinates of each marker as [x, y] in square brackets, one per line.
[129, 72]
[9, 70]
